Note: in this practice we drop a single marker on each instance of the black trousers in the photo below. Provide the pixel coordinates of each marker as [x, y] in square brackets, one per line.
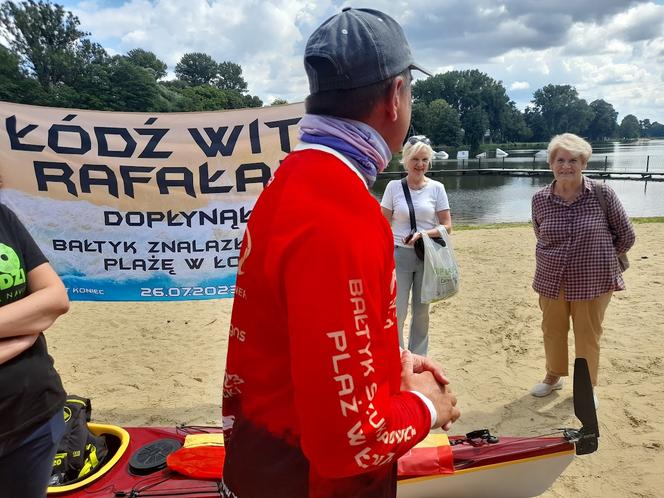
[25, 470]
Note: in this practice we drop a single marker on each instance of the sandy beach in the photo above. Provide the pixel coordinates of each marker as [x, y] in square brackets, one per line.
[162, 363]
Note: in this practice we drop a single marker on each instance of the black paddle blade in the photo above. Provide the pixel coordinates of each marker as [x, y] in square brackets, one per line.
[584, 408]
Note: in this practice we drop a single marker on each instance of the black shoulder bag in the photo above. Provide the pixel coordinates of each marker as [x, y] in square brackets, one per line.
[419, 243]
[623, 262]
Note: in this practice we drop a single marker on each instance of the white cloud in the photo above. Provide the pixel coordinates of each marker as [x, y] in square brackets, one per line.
[610, 49]
[492, 11]
[520, 85]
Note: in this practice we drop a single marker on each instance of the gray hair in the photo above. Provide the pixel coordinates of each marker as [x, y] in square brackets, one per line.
[571, 143]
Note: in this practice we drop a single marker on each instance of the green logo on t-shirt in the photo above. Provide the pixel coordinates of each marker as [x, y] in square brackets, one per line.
[11, 273]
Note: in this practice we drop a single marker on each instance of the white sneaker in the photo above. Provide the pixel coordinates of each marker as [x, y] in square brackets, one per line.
[542, 389]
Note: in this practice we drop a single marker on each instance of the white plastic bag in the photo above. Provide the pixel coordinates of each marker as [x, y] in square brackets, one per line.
[441, 273]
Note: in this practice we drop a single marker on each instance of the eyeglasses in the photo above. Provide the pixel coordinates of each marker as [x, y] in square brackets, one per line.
[419, 138]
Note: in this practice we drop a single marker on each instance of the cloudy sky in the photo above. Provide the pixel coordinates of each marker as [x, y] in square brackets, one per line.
[609, 49]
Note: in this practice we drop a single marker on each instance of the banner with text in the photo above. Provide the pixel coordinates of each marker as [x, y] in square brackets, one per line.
[141, 206]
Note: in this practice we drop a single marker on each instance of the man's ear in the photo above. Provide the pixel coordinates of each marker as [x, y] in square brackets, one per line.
[395, 95]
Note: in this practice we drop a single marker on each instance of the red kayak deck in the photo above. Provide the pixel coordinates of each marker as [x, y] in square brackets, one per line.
[119, 481]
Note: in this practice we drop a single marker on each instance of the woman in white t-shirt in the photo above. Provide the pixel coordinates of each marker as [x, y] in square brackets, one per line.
[432, 214]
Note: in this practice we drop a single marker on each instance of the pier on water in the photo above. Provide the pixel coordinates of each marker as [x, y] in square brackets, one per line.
[519, 167]
[655, 176]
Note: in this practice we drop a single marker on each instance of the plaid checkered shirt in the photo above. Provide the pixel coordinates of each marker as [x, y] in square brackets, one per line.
[577, 243]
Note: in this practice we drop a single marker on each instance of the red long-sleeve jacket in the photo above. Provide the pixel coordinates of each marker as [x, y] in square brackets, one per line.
[312, 402]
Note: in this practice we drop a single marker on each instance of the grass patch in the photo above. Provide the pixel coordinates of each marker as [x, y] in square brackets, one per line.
[492, 225]
[652, 219]
[636, 221]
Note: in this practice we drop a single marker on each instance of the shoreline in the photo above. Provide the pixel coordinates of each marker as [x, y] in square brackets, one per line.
[161, 363]
[637, 220]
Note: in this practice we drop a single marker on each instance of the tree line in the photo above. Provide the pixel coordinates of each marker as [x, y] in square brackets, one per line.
[469, 106]
[49, 61]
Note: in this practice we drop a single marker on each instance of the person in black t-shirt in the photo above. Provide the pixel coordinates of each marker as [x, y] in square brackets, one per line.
[32, 297]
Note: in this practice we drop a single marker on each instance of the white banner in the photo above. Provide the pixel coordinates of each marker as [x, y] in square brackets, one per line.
[141, 206]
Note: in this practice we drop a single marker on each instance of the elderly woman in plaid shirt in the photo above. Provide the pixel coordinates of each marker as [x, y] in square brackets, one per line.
[577, 269]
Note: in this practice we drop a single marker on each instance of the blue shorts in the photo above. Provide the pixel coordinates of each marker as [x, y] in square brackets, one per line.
[26, 469]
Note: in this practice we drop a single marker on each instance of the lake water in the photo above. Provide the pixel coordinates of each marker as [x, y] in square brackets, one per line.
[500, 199]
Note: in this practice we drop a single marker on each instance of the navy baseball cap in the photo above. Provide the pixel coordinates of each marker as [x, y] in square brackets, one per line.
[355, 48]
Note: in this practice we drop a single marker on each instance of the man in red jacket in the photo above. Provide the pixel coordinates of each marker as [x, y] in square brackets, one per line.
[318, 399]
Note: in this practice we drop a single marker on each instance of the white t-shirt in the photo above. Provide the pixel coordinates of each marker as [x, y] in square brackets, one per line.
[427, 202]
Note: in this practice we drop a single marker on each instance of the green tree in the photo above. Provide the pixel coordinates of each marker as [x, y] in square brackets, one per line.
[178, 96]
[645, 125]
[475, 123]
[63, 95]
[629, 127]
[604, 123]
[174, 85]
[205, 98]
[279, 101]
[168, 100]
[210, 98]
[147, 60]
[561, 110]
[113, 85]
[656, 130]
[535, 123]
[438, 121]
[229, 77]
[87, 85]
[251, 101]
[10, 74]
[88, 52]
[132, 88]
[196, 68]
[514, 128]
[43, 36]
[476, 97]
[88, 66]
[16, 86]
